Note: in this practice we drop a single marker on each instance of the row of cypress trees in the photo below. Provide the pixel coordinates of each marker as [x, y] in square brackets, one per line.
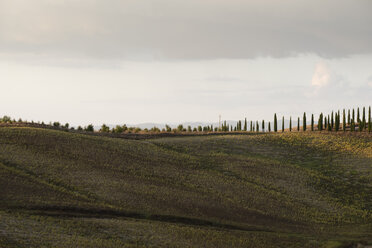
[351, 121]
[331, 122]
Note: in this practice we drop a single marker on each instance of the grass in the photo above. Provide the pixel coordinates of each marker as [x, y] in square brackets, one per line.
[258, 190]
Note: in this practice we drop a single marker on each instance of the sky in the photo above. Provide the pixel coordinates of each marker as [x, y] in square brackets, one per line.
[172, 61]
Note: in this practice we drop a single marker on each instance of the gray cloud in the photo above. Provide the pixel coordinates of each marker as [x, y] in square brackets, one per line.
[193, 29]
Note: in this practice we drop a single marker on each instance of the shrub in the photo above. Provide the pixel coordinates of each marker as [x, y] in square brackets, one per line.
[118, 129]
[89, 128]
[6, 119]
[180, 128]
[104, 129]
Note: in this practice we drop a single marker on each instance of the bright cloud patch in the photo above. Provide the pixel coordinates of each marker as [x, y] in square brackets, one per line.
[370, 81]
[321, 76]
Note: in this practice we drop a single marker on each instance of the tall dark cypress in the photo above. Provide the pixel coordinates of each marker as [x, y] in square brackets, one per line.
[337, 121]
[251, 126]
[353, 116]
[269, 127]
[329, 125]
[344, 121]
[364, 118]
[283, 124]
[312, 122]
[304, 122]
[358, 115]
[369, 120]
[360, 124]
[325, 123]
[245, 124]
[320, 122]
[332, 122]
[319, 119]
[290, 123]
[348, 117]
[298, 124]
[263, 126]
[258, 126]
[275, 123]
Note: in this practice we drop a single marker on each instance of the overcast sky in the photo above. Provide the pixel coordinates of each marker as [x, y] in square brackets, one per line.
[90, 61]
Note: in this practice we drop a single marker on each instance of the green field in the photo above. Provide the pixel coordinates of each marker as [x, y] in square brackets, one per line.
[61, 189]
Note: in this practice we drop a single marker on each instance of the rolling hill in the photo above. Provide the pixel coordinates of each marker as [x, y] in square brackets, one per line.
[63, 189]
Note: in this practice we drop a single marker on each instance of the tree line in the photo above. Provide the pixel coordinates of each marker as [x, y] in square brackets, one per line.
[351, 120]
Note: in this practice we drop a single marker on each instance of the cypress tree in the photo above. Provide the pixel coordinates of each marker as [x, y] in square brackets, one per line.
[329, 125]
[258, 126]
[358, 115]
[298, 124]
[245, 124]
[251, 126]
[325, 123]
[348, 116]
[360, 125]
[329, 122]
[290, 124]
[332, 122]
[320, 122]
[263, 125]
[369, 120]
[312, 122]
[304, 122]
[336, 121]
[269, 127]
[353, 117]
[344, 121]
[283, 124]
[275, 123]
[364, 117]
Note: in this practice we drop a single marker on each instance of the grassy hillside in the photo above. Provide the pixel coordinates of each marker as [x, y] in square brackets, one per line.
[256, 190]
